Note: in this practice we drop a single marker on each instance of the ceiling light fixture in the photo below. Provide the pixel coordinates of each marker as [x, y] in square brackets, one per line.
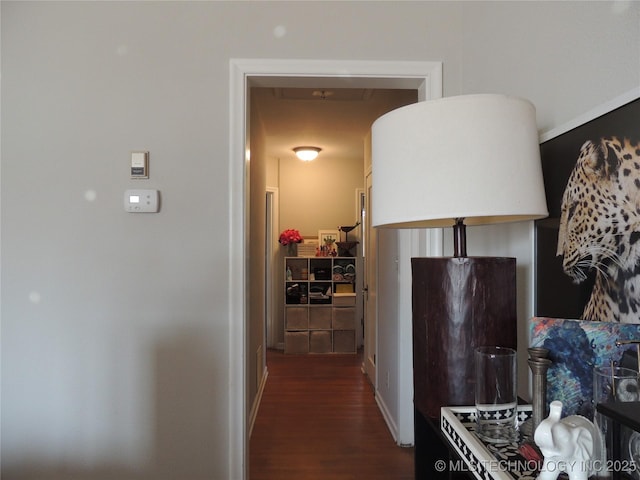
[307, 154]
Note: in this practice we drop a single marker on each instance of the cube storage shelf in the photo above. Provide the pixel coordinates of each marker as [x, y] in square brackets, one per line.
[320, 305]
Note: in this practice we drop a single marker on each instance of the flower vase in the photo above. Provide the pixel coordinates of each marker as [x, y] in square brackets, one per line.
[291, 249]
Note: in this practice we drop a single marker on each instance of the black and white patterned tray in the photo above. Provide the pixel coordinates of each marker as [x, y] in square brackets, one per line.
[497, 461]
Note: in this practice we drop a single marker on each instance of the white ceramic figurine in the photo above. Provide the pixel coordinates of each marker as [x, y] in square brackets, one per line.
[571, 445]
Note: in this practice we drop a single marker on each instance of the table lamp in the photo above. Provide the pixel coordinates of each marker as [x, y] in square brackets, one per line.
[452, 162]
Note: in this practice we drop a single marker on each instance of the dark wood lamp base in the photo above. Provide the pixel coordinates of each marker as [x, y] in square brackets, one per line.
[459, 303]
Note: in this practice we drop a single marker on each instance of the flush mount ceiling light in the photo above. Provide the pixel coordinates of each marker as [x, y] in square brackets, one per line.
[307, 154]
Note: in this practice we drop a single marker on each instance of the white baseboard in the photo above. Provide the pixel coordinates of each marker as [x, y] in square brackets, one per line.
[391, 425]
[256, 403]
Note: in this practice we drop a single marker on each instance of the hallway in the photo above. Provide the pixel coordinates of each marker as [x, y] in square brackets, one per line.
[318, 420]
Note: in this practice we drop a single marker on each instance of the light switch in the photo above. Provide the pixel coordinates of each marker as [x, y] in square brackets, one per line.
[140, 164]
[141, 201]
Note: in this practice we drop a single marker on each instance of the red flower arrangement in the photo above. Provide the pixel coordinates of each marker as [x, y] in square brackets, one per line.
[290, 236]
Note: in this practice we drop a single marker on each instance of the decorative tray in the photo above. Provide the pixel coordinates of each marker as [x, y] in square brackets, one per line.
[498, 461]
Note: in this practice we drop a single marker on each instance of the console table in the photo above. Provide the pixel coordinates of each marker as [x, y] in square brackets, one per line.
[497, 461]
[623, 416]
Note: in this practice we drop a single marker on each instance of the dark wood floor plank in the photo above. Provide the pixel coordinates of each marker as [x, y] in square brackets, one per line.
[319, 420]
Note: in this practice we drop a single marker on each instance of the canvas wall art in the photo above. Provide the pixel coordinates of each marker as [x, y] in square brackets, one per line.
[588, 249]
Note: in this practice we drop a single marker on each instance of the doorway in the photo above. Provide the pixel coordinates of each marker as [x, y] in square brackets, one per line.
[422, 76]
[314, 195]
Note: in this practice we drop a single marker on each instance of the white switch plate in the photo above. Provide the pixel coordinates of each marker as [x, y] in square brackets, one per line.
[140, 164]
[141, 201]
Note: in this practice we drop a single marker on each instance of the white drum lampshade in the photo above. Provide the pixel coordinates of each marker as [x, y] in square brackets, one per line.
[475, 157]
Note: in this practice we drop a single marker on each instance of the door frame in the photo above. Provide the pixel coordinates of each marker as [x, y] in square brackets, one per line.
[370, 289]
[426, 77]
[273, 207]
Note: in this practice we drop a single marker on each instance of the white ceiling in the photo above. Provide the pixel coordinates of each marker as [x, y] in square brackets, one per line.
[336, 120]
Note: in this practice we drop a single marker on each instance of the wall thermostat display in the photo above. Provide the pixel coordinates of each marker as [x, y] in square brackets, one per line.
[141, 201]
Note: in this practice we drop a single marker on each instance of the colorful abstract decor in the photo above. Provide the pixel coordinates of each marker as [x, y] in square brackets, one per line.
[575, 348]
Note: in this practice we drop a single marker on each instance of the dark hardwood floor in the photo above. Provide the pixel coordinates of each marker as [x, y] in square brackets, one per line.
[318, 420]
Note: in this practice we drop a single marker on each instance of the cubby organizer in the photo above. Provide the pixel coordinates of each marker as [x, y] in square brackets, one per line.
[320, 305]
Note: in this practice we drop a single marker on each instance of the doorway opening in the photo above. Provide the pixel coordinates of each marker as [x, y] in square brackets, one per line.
[315, 196]
[425, 77]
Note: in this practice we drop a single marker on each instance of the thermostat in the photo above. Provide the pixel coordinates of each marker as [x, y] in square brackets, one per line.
[141, 201]
[140, 164]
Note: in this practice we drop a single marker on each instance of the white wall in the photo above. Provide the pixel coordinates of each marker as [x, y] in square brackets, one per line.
[115, 326]
[319, 195]
[566, 57]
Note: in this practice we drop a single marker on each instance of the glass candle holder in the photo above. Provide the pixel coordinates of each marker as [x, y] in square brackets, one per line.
[496, 396]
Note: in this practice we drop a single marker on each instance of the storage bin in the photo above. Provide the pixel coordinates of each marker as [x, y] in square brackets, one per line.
[344, 318]
[320, 341]
[322, 273]
[344, 341]
[296, 342]
[344, 299]
[296, 318]
[320, 318]
[345, 288]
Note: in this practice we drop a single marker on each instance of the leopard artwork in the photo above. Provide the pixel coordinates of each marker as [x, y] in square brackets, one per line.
[600, 228]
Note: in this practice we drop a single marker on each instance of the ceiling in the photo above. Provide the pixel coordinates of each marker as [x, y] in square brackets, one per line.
[335, 120]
